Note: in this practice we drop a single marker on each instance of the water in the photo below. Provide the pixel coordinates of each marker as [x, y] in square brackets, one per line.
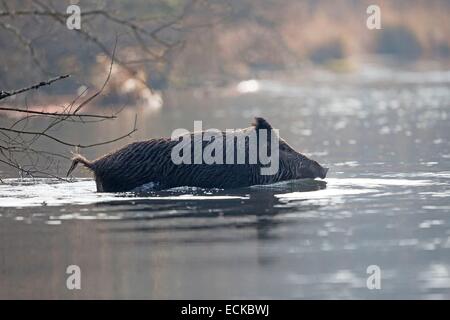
[385, 202]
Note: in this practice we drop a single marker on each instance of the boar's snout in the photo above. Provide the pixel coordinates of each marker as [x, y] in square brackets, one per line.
[317, 171]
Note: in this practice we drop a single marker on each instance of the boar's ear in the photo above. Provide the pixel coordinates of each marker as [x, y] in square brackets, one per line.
[261, 123]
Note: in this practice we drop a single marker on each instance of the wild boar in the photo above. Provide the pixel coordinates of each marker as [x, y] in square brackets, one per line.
[154, 161]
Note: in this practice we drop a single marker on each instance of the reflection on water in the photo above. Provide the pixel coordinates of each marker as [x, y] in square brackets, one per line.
[385, 202]
[298, 232]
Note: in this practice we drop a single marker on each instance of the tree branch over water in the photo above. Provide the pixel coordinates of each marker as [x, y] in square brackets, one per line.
[16, 144]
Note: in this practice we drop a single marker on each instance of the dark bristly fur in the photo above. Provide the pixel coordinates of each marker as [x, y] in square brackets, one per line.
[148, 161]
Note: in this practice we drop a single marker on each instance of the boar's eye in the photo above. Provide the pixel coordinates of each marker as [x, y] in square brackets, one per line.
[283, 147]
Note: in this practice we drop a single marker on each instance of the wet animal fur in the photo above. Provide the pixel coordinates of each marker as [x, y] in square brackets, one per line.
[148, 161]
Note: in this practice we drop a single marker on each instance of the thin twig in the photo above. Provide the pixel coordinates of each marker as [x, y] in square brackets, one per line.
[81, 146]
[6, 94]
[57, 114]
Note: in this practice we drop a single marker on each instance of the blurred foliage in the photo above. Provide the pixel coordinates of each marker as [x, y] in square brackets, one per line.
[219, 40]
[399, 41]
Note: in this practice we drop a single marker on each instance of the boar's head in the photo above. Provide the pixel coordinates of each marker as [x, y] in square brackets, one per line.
[292, 162]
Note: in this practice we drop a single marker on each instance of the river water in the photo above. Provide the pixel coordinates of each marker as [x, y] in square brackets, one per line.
[385, 202]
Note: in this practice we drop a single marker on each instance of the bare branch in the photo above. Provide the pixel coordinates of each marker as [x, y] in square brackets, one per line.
[57, 114]
[25, 42]
[6, 94]
[104, 83]
[81, 146]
